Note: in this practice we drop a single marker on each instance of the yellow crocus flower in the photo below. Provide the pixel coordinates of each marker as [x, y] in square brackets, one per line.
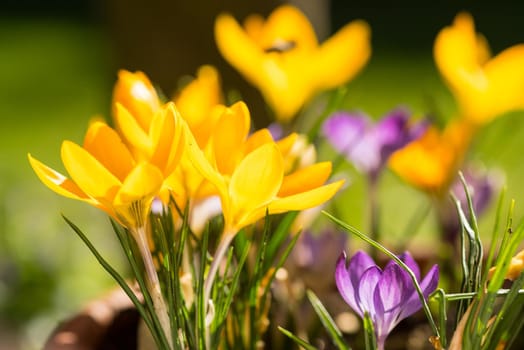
[484, 86]
[283, 59]
[104, 174]
[430, 162]
[248, 173]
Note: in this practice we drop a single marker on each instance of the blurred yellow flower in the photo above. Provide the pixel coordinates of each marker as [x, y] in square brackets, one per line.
[484, 87]
[431, 162]
[104, 174]
[283, 59]
[516, 266]
[197, 101]
[249, 173]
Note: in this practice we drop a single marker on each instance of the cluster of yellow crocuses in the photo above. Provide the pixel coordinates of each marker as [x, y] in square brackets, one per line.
[156, 151]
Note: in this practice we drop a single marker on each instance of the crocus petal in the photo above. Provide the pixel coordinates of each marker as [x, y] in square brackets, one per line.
[257, 139]
[347, 278]
[343, 55]
[230, 132]
[167, 138]
[285, 144]
[197, 98]
[237, 48]
[144, 181]
[57, 182]
[366, 292]
[136, 93]
[392, 287]
[255, 181]
[305, 179]
[305, 200]
[133, 200]
[104, 144]
[343, 130]
[411, 263]
[131, 131]
[390, 129]
[427, 285]
[506, 76]
[88, 173]
[288, 24]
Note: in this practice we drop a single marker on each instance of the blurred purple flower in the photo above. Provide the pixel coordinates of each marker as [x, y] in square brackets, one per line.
[388, 295]
[482, 186]
[369, 146]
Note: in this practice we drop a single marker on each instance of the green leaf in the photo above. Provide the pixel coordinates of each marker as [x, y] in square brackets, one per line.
[296, 339]
[154, 327]
[369, 333]
[327, 321]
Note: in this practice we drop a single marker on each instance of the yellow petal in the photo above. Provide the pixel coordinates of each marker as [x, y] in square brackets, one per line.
[343, 55]
[230, 132]
[237, 48]
[194, 157]
[288, 25]
[136, 93]
[132, 132]
[257, 139]
[305, 179]
[255, 182]
[254, 27]
[167, 139]
[104, 144]
[57, 182]
[305, 200]
[196, 99]
[506, 76]
[286, 144]
[88, 173]
[144, 181]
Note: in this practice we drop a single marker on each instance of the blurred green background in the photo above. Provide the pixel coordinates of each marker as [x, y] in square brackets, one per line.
[59, 60]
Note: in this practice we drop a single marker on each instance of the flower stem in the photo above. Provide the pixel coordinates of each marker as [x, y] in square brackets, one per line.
[227, 238]
[373, 213]
[159, 304]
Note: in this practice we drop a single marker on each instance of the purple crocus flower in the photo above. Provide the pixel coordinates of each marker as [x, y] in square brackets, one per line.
[369, 146]
[388, 295]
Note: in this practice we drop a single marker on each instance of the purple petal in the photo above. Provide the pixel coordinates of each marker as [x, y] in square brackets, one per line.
[428, 285]
[348, 278]
[343, 130]
[365, 154]
[366, 293]
[390, 129]
[276, 130]
[392, 287]
[411, 263]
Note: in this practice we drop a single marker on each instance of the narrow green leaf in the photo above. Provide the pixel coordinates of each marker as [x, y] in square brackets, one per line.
[369, 333]
[327, 321]
[296, 339]
[160, 340]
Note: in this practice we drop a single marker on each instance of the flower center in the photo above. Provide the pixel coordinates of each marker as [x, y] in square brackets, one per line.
[281, 46]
